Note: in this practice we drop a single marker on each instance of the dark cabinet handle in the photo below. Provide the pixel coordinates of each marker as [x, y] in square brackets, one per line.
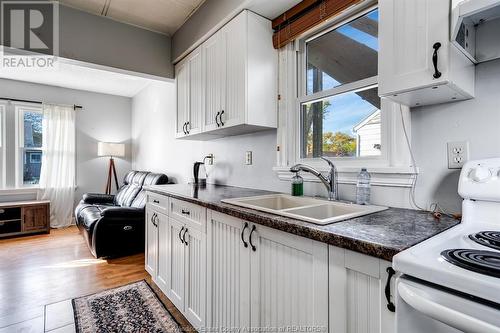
[185, 212]
[184, 128]
[245, 244]
[187, 127]
[153, 219]
[437, 73]
[220, 118]
[180, 237]
[216, 119]
[156, 201]
[390, 305]
[184, 237]
[250, 238]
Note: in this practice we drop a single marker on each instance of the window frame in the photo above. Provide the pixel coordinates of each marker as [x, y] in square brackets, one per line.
[3, 138]
[351, 87]
[20, 109]
[391, 168]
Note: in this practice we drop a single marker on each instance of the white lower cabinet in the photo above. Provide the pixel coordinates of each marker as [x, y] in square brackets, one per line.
[151, 251]
[357, 293]
[176, 264]
[264, 278]
[231, 274]
[176, 255]
[186, 288]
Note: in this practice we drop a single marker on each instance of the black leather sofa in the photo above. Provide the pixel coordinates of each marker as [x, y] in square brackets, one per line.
[114, 225]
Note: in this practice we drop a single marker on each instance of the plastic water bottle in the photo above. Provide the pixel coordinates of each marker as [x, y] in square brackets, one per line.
[363, 188]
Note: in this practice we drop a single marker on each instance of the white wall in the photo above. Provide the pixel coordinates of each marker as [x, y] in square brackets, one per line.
[156, 149]
[103, 118]
[477, 121]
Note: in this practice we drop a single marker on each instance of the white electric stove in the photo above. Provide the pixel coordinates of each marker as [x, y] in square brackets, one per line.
[451, 282]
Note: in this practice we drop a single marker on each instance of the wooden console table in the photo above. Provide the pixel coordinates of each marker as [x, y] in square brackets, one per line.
[24, 217]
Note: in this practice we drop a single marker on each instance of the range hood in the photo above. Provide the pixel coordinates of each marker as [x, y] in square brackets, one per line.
[475, 26]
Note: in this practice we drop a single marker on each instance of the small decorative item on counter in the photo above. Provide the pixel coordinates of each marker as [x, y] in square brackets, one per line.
[363, 188]
[297, 185]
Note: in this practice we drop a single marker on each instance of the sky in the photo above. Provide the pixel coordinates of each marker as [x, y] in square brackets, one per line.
[348, 109]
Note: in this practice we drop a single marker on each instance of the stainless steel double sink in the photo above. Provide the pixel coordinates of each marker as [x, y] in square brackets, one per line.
[307, 209]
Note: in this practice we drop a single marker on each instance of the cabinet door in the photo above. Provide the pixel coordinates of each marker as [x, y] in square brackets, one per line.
[195, 92]
[151, 243]
[176, 263]
[408, 29]
[289, 280]
[214, 58]
[196, 277]
[357, 300]
[228, 269]
[35, 218]
[235, 34]
[182, 86]
[163, 240]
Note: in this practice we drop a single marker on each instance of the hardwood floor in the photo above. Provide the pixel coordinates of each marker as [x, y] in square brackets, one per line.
[44, 269]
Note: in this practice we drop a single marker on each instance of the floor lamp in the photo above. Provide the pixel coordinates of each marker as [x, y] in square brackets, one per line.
[111, 150]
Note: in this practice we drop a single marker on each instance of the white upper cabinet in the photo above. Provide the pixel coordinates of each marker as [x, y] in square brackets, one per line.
[418, 65]
[189, 83]
[238, 93]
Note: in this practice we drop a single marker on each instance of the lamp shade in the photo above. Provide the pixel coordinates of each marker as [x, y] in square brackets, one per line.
[110, 149]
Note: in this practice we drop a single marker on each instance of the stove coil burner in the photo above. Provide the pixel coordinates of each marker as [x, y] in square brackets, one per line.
[487, 238]
[484, 262]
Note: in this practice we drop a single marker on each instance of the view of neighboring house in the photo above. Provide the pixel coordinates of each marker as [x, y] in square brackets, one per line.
[368, 135]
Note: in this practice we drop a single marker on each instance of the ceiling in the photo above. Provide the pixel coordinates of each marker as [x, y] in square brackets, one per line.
[164, 16]
[82, 78]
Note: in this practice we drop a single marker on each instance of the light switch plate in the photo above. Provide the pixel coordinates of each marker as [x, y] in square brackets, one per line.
[248, 158]
[458, 154]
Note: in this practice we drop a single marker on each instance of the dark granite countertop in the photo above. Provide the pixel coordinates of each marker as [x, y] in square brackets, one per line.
[382, 234]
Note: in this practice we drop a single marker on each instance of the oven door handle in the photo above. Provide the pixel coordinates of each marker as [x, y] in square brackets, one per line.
[441, 313]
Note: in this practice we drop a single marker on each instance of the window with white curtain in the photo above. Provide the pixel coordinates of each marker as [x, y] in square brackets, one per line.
[29, 152]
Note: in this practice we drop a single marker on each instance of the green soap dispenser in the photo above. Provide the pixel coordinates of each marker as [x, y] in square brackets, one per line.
[297, 185]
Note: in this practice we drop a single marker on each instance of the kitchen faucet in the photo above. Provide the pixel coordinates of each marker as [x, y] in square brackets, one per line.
[330, 182]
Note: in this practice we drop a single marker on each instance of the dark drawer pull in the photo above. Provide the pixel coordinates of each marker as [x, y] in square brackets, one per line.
[185, 212]
[180, 237]
[156, 201]
[390, 305]
[250, 238]
[245, 244]
[184, 236]
[2, 211]
[437, 73]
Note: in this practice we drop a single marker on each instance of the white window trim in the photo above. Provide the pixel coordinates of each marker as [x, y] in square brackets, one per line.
[20, 109]
[3, 138]
[392, 168]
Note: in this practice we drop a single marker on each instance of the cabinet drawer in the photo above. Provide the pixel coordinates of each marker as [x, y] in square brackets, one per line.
[158, 201]
[190, 213]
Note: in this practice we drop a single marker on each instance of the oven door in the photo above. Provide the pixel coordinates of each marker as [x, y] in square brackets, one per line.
[422, 308]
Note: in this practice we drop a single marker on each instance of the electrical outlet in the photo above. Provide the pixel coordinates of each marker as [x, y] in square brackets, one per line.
[458, 154]
[248, 158]
[209, 159]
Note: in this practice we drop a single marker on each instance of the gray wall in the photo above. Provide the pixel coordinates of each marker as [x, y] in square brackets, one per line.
[100, 40]
[210, 14]
[477, 121]
[103, 118]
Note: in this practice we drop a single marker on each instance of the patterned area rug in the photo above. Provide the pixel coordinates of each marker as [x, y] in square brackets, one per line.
[130, 308]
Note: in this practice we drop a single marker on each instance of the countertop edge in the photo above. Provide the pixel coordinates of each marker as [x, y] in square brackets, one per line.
[365, 247]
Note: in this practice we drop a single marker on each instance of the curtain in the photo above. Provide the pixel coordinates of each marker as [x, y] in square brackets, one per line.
[57, 175]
